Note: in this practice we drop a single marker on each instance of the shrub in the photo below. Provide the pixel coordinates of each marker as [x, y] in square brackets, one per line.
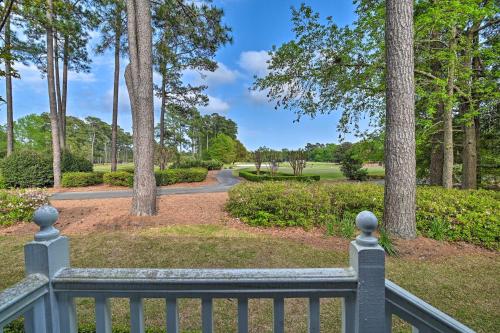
[195, 163]
[172, 176]
[129, 169]
[279, 203]
[27, 168]
[119, 178]
[262, 176]
[73, 163]
[80, 179]
[452, 215]
[19, 205]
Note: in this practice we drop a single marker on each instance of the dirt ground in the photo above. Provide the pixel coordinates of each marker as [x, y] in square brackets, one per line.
[210, 180]
[102, 215]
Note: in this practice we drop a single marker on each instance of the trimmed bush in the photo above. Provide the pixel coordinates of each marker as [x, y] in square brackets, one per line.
[195, 163]
[81, 179]
[73, 163]
[452, 215]
[254, 177]
[129, 169]
[27, 168]
[19, 205]
[172, 176]
[280, 204]
[119, 178]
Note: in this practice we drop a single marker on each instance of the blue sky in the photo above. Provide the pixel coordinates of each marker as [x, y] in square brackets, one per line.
[257, 26]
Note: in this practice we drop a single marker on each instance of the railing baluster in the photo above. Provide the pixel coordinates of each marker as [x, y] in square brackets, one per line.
[207, 324]
[242, 315]
[67, 314]
[348, 314]
[136, 315]
[388, 318]
[35, 320]
[103, 314]
[279, 315]
[314, 315]
[172, 316]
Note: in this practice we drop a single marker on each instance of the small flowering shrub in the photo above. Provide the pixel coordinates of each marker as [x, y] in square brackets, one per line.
[19, 205]
[442, 214]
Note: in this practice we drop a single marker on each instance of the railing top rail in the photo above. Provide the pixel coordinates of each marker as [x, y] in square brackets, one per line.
[20, 296]
[412, 306]
[206, 275]
[200, 282]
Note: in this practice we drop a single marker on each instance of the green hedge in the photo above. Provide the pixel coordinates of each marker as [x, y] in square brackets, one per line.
[453, 215]
[254, 177]
[19, 205]
[27, 168]
[81, 179]
[195, 163]
[119, 178]
[173, 176]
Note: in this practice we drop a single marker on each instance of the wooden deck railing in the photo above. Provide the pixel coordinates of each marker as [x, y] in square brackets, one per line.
[46, 296]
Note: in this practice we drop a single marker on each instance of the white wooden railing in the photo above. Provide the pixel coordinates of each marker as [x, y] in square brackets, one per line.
[46, 296]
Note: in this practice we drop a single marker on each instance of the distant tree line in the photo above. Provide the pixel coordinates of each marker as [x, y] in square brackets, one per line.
[89, 138]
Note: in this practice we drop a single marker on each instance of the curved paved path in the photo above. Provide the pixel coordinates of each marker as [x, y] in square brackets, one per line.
[225, 180]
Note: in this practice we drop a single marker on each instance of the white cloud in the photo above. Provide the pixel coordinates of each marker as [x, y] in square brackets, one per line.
[258, 96]
[215, 105]
[254, 62]
[81, 77]
[222, 75]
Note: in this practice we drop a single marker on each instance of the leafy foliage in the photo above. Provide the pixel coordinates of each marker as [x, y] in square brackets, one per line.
[223, 148]
[196, 163]
[74, 163]
[452, 215]
[263, 176]
[187, 175]
[19, 205]
[119, 178]
[27, 168]
[279, 204]
[81, 179]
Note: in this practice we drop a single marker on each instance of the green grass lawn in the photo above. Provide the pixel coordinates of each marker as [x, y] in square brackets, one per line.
[465, 286]
[327, 171]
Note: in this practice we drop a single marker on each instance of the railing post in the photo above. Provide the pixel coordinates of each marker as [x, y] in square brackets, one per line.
[367, 258]
[47, 254]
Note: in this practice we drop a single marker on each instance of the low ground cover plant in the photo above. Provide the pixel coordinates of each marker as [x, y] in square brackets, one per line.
[263, 175]
[81, 179]
[173, 176]
[452, 215]
[19, 205]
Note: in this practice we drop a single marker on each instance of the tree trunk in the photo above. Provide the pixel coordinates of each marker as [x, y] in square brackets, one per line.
[54, 121]
[64, 97]
[58, 91]
[448, 116]
[400, 164]
[8, 89]
[116, 84]
[436, 165]
[139, 80]
[162, 119]
[469, 156]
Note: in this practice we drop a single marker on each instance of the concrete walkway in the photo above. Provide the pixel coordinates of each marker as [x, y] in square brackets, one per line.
[225, 180]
